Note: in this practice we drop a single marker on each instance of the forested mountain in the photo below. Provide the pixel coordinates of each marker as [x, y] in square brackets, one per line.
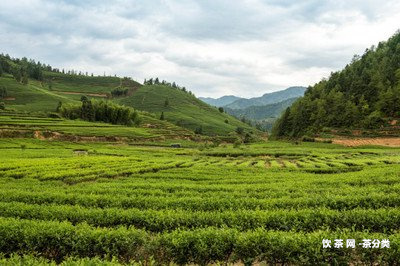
[365, 94]
[222, 101]
[268, 98]
[261, 112]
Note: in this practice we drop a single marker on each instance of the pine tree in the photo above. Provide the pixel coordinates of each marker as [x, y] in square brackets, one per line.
[162, 116]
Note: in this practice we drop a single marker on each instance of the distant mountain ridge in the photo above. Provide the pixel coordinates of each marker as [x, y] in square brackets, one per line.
[268, 98]
[273, 110]
[260, 111]
[221, 101]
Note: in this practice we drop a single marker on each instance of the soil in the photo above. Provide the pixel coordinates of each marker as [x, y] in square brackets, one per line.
[390, 142]
[103, 95]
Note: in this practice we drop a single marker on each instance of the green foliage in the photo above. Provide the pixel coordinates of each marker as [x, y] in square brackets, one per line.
[3, 92]
[17, 73]
[221, 109]
[199, 130]
[119, 92]
[100, 111]
[247, 138]
[360, 95]
[239, 130]
[24, 80]
[184, 109]
[162, 116]
[265, 203]
[237, 143]
[2, 106]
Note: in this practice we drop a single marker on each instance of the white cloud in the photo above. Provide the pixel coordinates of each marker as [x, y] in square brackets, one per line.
[214, 48]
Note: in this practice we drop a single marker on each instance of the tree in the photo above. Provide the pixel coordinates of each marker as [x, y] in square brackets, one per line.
[59, 106]
[247, 138]
[3, 92]
[1, 70]
[84, 98]
[226, 121]
[25, 79]
[221, 110]
[2, 106]
[199, 130]
[16, 72]
[166, 103]
[239, 130]
[156, 81]
[162, 116]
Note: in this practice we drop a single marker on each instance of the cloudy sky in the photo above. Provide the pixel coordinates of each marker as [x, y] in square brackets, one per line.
[213, 47]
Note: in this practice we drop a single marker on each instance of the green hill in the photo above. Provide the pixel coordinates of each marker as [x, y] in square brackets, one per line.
[364, 95]
[183, 109]
[32, 97]
[30, 86]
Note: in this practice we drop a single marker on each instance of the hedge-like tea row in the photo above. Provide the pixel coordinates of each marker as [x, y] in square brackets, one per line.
[58, 240]
[380, 220]
[372, 200]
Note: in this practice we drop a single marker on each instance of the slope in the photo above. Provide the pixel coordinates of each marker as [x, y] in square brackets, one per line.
[262, 112]
[364, 95]
[28, 103]
[221, 101]
[31, 97]
[268, 98]
[183, 109]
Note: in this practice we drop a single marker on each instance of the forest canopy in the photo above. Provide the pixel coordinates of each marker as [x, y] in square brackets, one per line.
[365, 94]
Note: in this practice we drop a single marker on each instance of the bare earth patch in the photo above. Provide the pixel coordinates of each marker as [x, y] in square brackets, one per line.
[389, 142]
[103, 95]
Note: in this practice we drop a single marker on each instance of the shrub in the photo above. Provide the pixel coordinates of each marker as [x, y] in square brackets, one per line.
[237, 143]
[199, 130]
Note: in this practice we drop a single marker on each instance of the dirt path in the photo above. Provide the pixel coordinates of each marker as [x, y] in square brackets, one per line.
[103, 95]
[390, 142]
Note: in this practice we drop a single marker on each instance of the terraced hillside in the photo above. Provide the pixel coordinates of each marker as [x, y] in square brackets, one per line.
[183, 109]
[42, 127]
[262, 203]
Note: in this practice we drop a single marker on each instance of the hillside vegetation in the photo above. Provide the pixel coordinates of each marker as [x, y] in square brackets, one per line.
[365, 94]
[183, 109]
[29, 86]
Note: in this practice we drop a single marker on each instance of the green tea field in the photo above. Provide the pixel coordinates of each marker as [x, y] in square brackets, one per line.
[80, 203]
